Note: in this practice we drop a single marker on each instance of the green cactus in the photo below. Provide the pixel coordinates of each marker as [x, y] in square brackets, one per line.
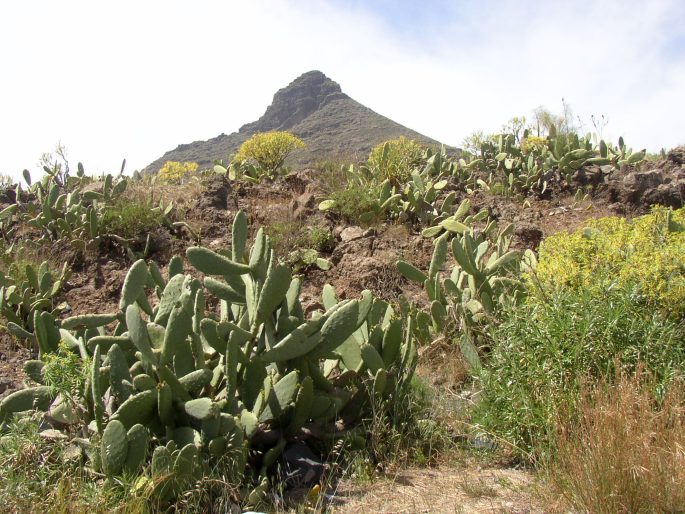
[113, 448]
[212, 263]
[134, 284]
[190, 385]
[38, 398]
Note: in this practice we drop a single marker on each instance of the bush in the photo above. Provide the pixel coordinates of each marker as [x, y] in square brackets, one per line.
[130, 219]
[357, 203]
[542, 349]
[395, 159]
[268, 150]
[616, 252]
[174, 172]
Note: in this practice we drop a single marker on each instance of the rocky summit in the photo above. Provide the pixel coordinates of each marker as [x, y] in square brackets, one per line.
[314, 108]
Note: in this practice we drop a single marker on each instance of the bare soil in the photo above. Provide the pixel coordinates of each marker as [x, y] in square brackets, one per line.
[441, 491]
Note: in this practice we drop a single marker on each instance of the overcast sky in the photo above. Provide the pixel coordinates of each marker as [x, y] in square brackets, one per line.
[133, 79]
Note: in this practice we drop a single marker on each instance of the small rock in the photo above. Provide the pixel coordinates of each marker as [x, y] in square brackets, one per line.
[217, 194]
[351, 233]
[303, 205]
[617, 208]
[529, 234]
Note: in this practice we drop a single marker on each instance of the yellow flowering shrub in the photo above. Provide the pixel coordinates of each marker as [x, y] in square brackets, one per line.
[174, 172]
[616, 252]
[268, 150]
[397, 163]
[533, 144]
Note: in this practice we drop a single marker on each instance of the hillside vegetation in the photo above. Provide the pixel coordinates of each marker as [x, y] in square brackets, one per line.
[234, 337]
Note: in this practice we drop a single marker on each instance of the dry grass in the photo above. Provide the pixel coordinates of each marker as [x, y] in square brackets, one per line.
[627, 451]
[183, 195]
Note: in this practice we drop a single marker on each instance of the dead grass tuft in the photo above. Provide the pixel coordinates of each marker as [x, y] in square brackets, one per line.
[626, 453]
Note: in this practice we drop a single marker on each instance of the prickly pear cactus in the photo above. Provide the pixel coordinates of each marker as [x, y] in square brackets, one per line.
[185, 385]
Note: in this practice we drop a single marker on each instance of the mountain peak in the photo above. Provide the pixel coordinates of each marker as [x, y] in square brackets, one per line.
[306, 94]
[314, 108]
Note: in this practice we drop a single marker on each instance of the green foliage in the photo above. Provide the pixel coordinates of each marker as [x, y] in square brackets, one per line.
[543, 351]
[64, 371]
[292, 235]
[394, 160]
[644, 253]
[130, 219]
[203, 387]
[40, 475]
[483, 280]
[268, 150]
[355, 201]
[321, 239]
[27, 290]
[64, 207]
[304, 258]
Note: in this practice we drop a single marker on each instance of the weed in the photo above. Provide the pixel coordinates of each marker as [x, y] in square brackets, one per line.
[292, 236]
[354, 202]
[405, 431]
[321, 239]
[37, 475]
[395, 159]
[65, 371]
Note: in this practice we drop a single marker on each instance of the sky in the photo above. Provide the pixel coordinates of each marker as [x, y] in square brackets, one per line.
[133, 79]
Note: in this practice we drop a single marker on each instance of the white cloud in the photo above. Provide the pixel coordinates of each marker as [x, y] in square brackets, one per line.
[134, 79]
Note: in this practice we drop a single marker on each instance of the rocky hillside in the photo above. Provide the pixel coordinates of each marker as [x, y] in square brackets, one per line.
[314, 108]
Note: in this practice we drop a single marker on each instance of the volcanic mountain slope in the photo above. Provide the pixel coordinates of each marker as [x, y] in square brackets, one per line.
[314, 108]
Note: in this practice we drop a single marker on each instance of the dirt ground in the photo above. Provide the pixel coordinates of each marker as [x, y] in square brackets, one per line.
[441, 491]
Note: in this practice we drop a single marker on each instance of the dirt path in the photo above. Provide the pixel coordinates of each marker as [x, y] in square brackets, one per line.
[443, 490]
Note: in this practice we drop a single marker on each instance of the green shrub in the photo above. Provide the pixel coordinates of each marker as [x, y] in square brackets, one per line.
[268, 150]
[544, 349]
[354, 202]
[65, 371]
[395, 159]
[129, 219]
[616, 252]
[321, 239]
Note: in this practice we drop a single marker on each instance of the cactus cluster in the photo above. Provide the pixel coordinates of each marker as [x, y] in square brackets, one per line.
[184, 384]
[21, 301]
[503, 165]
[513, 168]
[64, 209]
[483, 278]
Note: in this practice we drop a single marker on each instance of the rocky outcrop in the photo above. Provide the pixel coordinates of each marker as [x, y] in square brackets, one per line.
[293, 103]
[663, 183]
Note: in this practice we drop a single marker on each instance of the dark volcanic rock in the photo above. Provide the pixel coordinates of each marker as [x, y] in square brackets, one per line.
[663, 186]
[295, 102]
[314, 108]
[217, 194]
